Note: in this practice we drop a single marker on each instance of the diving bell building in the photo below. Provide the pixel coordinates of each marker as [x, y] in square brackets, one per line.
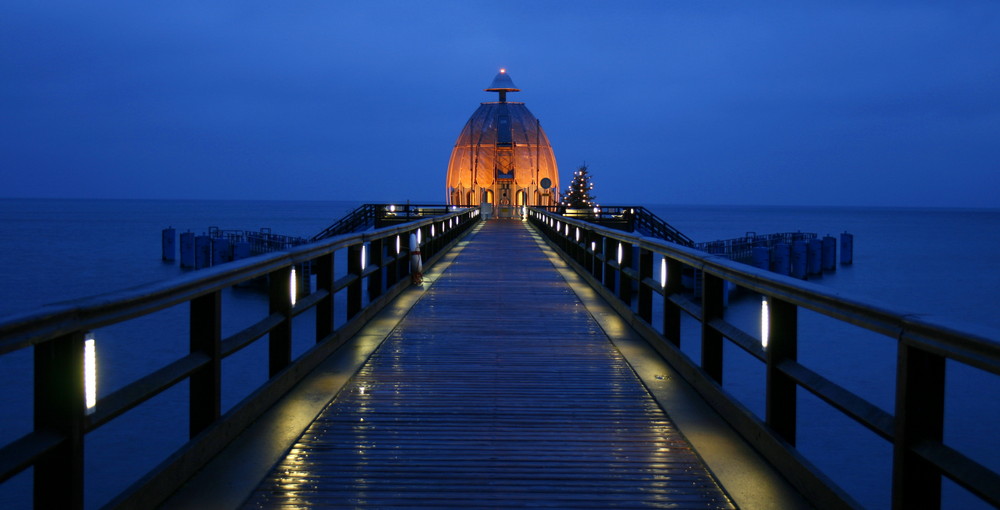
[502, 158]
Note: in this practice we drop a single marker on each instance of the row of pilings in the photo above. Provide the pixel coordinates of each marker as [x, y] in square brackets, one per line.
[803, 258]
[221, 246]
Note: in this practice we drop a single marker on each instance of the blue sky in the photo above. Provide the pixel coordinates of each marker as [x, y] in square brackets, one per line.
[770, 103]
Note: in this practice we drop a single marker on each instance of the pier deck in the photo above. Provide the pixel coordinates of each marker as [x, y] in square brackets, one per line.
[498, 389]
[498, 385]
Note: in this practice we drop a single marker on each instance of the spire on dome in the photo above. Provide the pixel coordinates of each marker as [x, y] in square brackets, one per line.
[502, 84]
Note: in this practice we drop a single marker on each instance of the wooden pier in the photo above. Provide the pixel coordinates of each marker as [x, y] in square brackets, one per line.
[527, 371]
[498, 389]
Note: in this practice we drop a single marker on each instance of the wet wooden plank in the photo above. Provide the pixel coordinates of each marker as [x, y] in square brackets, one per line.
[498, 389]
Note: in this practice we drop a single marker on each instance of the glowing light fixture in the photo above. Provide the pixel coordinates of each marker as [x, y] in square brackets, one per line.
[663, 273]
[593, 246]
[90, 371]
[765, 322]
[364, 259]
[619, 254]
[432, 230]
[577, 234]
[293, 285]
[397, 244]
[392, 208]
[418, 237]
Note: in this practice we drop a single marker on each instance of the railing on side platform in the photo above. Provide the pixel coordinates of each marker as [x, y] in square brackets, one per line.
[379, 215]
[622, 268]
[377, 259]
[625, 217]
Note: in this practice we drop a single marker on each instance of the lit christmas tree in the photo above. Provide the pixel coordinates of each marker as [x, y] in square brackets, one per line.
[579, 193]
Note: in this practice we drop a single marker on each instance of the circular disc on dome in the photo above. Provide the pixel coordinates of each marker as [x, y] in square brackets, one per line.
[546, 183]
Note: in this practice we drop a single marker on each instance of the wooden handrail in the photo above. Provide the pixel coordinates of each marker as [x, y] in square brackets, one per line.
[57, 334]
[915, 428]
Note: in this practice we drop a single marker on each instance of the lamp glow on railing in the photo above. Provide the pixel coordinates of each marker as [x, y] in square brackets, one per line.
[593, 246]
[397, 244]
[90, 371]
[418, 237]
[765, 322]
[663, 273]
[432, 230]
[577, 234]
[619, 254]
[364, 259]
[293, 286]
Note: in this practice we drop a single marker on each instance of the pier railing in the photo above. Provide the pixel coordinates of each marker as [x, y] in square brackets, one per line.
[630, 218]
[379, 215]
[377, 270]
[622, 267]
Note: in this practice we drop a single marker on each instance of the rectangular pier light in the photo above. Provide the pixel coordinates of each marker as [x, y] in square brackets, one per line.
[364, 250]
[90, 371]
[397, 245]
[619, 254]
[765, 322]
[292, 286]
[663, 272]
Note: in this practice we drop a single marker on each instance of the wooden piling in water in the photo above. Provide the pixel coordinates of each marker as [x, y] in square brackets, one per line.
[169, 244]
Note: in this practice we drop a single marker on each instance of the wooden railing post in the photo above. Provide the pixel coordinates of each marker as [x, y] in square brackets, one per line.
[391, 270]
[624, 282]
[645, 293]
[205, 386]
[920, 379]
[376, 257]
[597, 243]
[324, 308]
[672, 312]
[782, 344]
[610, 251]
[354, 288]
[713, 307]
[59, 408]
[280, 338]
[588, 257]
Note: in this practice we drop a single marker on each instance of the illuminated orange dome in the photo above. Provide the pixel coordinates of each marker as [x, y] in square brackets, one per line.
[502, 157]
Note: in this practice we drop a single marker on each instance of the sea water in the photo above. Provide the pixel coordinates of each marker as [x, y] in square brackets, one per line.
[944, 263]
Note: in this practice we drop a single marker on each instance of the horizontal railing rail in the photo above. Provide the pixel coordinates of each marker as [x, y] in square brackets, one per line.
[621, 267]
[377, 262]
[630, 218]
[378, 215]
